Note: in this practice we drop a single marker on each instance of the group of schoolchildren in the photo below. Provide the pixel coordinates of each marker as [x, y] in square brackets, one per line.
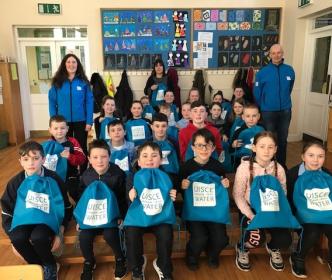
[137, 169]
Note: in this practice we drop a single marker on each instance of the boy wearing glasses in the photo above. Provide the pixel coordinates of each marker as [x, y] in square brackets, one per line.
[204, 235]
[198, 116]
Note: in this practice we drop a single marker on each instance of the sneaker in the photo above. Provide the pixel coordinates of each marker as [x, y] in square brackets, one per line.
[191, 263]
[242, 258]
[120, 270]
[276, 261]
[50, 272]
[213, 263]
[297, 265]
[138, 273]
[159, 272]
[88, 269]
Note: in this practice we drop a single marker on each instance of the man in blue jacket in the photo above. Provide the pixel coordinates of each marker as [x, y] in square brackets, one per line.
[272, 91]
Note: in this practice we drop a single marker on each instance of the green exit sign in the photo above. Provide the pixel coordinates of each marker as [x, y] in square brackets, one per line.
[53, 9]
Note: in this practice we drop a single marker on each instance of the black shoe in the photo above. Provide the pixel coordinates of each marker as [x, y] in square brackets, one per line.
[120, 270]
[191, 263]
[298, 267]
[138, 272]
[50, 272]
[87, 272]
[213, 262]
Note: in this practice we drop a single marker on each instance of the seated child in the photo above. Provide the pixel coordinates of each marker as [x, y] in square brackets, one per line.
[35, 242]
[225, 104]
[172, 130]
[215, 116]
[185, 112]
[169, 99]
[137, 128]
[73, 152]
[204, 235]
[102, 170]
[193, 95]
[150, 157]
[148, 110]
[234, 121]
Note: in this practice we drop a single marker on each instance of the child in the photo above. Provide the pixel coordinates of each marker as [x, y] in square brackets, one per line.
[148, 110]
[34, 242]
[262, 162]
[137, 129]
[234, 121]
[204, 234]
[106, 116]
[149, 156]
[198, 116]
[185, 112]
[225, 104]
[172, 130]
[215, 116]
[241, 141]
[73, 152]
[122, 151]
[313, 157]
[193, 95]
[174, 116]
[110, 174]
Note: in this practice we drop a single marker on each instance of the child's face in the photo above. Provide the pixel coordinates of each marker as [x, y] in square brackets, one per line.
[99, 160]
[198, 114]
[32, 162]
[193, 96]
[116, 133]
[109, 107]
[159, 130]
[165, 111]
[145, 101]
[217, 98]
[250, 116]
[58, 130]
[238, 93]
[136, 110]
[238, 109]
[149, 158]
[185, 111]
[265, 149]
[313, 158]
[202, 150]
[215, 111]
[169, 97]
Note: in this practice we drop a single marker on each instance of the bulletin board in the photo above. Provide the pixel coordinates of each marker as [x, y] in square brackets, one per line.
[232, 38]
[134, 39]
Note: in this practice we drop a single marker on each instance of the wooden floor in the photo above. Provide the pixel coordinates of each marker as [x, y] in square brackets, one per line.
[9, 166]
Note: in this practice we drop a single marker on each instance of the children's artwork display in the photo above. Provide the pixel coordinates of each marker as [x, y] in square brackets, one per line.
[134, 39]
[232, 38]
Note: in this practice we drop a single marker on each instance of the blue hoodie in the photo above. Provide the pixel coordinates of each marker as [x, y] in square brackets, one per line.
[273, 87]
[74, 101]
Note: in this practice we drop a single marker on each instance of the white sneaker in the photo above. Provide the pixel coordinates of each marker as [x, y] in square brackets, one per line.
[276, 261]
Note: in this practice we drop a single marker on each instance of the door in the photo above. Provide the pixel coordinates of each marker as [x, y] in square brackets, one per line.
[319, 89]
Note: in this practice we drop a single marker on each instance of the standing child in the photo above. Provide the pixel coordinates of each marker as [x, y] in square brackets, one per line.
[306, 180]
[174, 116]
[185, 112]
[72, 152]
[114, 178]
[106, 116]
[205, 234]
[262, 162]
[137, 128]
[153, 205]
[38, 232]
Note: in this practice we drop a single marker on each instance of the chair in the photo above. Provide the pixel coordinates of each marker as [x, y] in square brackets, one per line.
[22, 272]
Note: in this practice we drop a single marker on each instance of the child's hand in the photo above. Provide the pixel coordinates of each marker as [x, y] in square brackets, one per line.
[225, 138]
[185, 184]
[77, 227]
[250, 217]
[65, 153]
[237, 143]
[225, 182]
[56, 243]
[154, 87]
[132, 194]
[172, 194]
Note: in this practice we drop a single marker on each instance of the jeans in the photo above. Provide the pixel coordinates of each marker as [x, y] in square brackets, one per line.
[278, 122]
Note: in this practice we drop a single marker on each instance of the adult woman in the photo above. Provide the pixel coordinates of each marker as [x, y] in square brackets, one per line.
[71, 97]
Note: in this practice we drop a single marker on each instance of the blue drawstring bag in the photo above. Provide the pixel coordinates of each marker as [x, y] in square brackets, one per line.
[206, 199]
[148, 112]
[170, 162]
[238, 122]
[53, 160]
[225, 158]
[97, 207]
[270, 204]
[226, 110]
[39, 201]
[153, 205]
[313, 198]
[104, 129]
[122, 159]
[190, 153]
[157, 95]
[137, 131]
[247, 138]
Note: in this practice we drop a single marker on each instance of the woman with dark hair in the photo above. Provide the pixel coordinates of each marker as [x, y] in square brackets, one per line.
[157, 84]
[71, 97]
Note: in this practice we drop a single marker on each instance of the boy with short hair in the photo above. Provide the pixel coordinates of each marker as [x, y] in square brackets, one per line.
[185, 112]
[198, 115]
[110, 174]
[34, 242]
[73, 152]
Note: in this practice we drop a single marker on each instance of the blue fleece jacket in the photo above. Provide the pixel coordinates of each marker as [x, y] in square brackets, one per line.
[273, 87]
[74, 101]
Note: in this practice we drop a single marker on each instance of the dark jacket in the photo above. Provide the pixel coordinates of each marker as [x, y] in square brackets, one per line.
[114, 178]
[8, 199]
